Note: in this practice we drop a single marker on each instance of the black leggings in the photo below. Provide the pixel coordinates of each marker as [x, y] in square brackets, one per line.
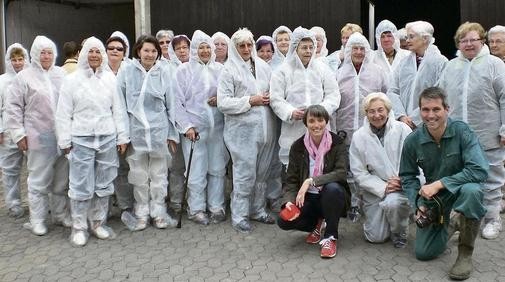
[328, 204]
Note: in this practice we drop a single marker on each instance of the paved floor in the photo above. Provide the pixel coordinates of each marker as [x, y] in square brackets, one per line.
[218, 253]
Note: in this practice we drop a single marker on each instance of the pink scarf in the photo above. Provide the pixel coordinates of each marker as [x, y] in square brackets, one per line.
[317, 153]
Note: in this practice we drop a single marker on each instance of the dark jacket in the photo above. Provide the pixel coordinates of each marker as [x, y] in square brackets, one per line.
[335, 168]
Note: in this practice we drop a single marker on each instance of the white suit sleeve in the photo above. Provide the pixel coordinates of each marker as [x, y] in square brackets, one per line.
[278, 102]
[394, 94]
[331, 99]
[120, 117]
[173, 133]
[15, 108]
[64, 114]
[366, 181]
[182, 121]
[227, 103]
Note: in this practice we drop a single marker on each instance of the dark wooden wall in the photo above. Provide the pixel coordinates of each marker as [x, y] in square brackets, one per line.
[260, 16]
[486, 12]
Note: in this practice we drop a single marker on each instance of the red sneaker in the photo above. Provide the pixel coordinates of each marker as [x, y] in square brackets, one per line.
[328, 247]
[315, 236]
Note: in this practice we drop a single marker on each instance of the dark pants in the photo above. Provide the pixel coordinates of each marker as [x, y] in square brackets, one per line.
[328, 204]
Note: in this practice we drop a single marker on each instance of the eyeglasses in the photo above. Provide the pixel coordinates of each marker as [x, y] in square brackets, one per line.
[497, 42]
[471, 41]
[164, 42]
[111, 48]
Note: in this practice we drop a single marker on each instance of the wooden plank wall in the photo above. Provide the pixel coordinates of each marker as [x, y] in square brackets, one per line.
[261, 16]
[486, 12]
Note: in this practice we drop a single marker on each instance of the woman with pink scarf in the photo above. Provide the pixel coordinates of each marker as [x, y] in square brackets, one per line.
[316, 183]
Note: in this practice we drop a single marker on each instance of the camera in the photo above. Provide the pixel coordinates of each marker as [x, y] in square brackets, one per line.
[432, 215]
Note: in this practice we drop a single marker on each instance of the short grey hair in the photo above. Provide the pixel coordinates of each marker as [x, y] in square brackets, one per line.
[242, 35]
[165, 33]
[423, 29]
[496, 29]
[372, 97]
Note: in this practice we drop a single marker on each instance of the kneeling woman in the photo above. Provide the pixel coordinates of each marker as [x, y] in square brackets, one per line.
[317, 176]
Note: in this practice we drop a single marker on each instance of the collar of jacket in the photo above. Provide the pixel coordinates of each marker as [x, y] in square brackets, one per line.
[425, 136]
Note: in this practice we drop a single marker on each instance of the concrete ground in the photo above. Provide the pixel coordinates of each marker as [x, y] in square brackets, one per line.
[218, 253]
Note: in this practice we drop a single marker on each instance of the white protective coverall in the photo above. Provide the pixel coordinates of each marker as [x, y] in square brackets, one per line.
[408, 81]
[373, 162]
[476, 95]
[11, 158]
[354, 87]
[379, 55]
[295, 87]
[222, 35]
[177, 170]
[196, 83]
[248, 132]
[31, 105]
[149, 99]
[91, 120]
[278, 58]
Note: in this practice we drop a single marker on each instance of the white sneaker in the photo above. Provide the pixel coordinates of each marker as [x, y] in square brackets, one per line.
[141, 225]
[101, 232]
[492, 229]
[39, 229]
[79, 238]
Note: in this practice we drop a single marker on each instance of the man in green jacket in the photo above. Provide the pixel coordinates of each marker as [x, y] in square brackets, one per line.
[454, 165]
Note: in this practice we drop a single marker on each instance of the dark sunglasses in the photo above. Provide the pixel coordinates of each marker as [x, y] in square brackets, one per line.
[164, 42]
[120, 49]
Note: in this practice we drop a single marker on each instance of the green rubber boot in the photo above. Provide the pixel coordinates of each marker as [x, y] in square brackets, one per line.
[463, 267]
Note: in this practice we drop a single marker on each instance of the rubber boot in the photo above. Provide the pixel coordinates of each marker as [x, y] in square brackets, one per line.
[454, 223]
[463, 267]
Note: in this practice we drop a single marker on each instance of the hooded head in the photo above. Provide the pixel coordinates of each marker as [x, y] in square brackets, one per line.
[240, 37]
[282, 37]
[125, 39]
[171, 48]
[357, 49]
[221, 42]
[321, 40]
[18, 49]
[302, 49]
[43, 52]
[92, 55]
[265, 48]
[388, 31]
[202, 48]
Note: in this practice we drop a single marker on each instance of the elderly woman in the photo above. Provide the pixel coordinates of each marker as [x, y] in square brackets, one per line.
[357, 76]
[116, 50]
[178, 49]
[11, 158]
[301, 81]
[475, 86]
[146, 85]
[374, 158]
[126, 42]
[91, 123]
[30, 109]
[164, 37]
[282, 39]
[242, 97]
[402, 36]
[197, 115]
[496, 37]
[419, 70]
[337, 57]
[317, 176]
[265, 48]
[221, 42]
[388, 54]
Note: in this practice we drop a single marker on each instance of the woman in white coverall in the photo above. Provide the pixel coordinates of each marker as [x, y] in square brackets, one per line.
[375, 160]
[282, 39]
[357, 76]
[90, 121]
[11, 158]
[197, 116]
[147, 86]
[419, 70]
[475, 86]
[299, 82]
[221, 42]
[243, 98]
[31, 104]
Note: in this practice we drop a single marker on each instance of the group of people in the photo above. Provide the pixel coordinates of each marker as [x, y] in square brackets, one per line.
[333, 130]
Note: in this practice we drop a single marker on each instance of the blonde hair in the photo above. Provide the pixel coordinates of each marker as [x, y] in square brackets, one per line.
[17, 52]
[372, 97]
[352, 28]
[466, 28]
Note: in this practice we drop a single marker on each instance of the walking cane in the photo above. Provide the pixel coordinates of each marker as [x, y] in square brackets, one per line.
[185, 188]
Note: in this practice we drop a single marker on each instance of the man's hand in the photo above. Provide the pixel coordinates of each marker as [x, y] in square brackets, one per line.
[191, 134]
[122, 148]
[172, 146]
[430, 190]
[394, 184]
[297, 114]
[23, 144]
[408, 121]
[212, 101]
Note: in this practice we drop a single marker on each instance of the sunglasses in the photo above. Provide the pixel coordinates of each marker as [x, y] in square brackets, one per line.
[110, 48]
[164, 42]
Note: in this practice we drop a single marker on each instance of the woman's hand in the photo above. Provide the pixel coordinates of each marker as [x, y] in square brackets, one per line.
[172, 146]
[212, 101]
[67, 150]
[300, 197]
[22, 144]
[122, 148]
[191, 134]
